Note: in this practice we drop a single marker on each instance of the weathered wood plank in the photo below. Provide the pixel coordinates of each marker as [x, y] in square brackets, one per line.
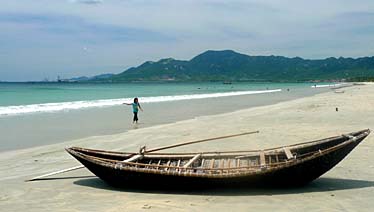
[202, 163]
[159, 162]
[262, 159]
[288, 153]
[167, 164]
[134, 158]
[192, 160]
[221, 163]
[212, 163]
[270, 160]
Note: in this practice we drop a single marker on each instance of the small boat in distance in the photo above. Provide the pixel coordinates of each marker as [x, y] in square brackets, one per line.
[286, 166]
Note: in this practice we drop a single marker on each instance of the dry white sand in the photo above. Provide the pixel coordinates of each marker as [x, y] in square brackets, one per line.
[347, 187]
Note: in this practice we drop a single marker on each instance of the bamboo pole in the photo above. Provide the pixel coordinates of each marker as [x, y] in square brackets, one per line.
[147, 151]
[75, 168]
[199, 141]
[56, 172]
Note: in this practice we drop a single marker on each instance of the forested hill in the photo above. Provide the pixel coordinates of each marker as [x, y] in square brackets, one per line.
[228, 65]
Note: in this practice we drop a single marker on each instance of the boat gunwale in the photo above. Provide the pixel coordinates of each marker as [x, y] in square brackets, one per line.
[274, 149]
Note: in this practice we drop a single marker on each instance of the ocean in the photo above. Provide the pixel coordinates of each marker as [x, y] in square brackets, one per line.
[34, 114]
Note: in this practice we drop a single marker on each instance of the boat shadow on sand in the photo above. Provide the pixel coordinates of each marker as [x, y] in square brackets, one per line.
[320, 185]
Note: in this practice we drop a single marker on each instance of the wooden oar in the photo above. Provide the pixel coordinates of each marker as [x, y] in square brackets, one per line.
[147, 151]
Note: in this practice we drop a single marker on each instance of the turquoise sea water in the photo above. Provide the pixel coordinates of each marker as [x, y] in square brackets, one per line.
[14, 94]
[27, 98]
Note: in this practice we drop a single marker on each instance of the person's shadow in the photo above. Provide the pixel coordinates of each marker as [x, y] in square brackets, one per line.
[319, 185]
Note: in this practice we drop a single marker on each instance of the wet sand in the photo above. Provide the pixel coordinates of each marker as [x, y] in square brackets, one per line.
[347, 187]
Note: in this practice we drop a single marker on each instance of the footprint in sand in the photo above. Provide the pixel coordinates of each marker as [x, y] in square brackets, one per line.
[4, 198]
[146, 206]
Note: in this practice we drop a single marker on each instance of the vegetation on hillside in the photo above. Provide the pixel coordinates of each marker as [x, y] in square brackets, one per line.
[228, 65]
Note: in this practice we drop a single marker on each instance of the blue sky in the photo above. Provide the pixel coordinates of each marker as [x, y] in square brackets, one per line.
[46, 38]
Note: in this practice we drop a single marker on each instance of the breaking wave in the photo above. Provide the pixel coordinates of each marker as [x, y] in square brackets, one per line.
[62, 106]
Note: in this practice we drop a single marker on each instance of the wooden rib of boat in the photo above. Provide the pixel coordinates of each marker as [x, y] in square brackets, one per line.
[292, 165]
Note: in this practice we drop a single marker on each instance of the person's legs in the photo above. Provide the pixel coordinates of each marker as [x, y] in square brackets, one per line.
[135, 119]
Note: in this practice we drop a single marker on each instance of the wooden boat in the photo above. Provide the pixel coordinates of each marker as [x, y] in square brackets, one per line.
[292, 165]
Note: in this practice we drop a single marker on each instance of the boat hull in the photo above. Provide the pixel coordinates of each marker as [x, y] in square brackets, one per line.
[294, 173]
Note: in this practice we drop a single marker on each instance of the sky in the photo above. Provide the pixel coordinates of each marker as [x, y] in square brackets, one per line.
[43, 39]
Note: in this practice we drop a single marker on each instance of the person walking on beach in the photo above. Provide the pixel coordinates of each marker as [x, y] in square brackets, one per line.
[135, 109]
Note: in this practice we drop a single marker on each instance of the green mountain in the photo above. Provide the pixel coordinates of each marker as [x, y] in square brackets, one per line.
[228, 65]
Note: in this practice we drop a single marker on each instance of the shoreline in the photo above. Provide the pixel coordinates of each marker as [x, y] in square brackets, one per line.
[48, 128]
[162, 125]
[348, 186]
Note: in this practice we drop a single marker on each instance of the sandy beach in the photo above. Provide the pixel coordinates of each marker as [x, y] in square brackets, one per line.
[347, 187]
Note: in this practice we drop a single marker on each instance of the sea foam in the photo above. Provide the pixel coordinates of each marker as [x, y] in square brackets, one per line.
[329, 85]
[62, 106]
